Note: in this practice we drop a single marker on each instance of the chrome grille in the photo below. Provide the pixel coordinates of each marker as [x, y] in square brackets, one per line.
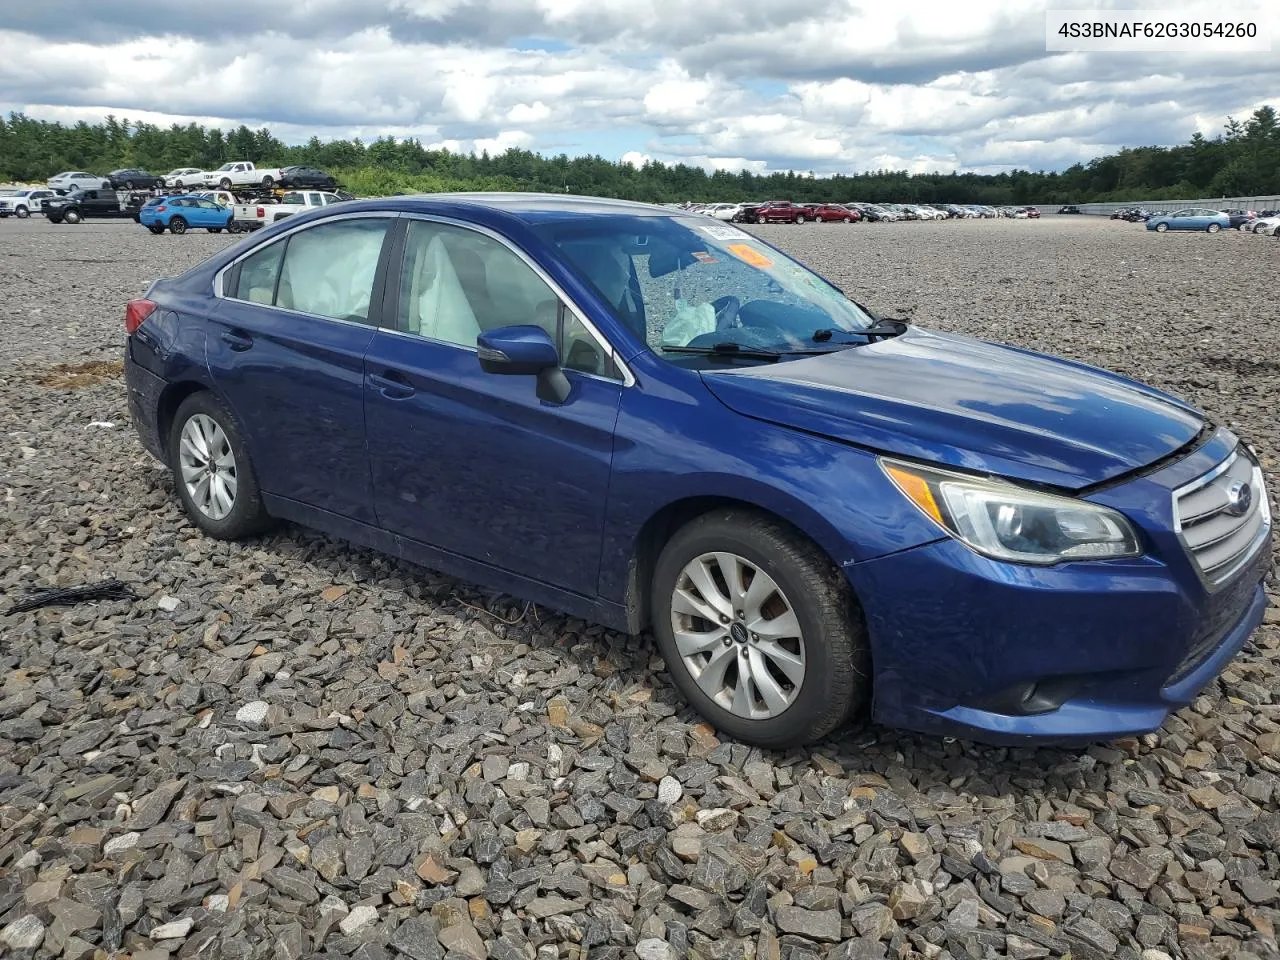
[1219, 530]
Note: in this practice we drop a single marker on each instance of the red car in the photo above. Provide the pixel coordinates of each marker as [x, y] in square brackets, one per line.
[1033, 212]
[834, 213]
[781, 211]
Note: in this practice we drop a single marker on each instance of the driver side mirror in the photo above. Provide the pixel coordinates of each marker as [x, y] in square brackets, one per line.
[524, 350]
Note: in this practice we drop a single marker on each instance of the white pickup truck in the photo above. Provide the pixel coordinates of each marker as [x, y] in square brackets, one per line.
[251, 216]
[239, 173]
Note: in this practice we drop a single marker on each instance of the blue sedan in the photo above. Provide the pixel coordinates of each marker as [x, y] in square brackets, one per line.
[180, 213]
[1193, 218]
[656, 421]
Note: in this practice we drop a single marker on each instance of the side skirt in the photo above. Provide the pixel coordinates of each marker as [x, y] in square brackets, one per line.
[611, 615]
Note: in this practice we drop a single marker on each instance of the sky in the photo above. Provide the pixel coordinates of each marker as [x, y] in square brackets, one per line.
[824, 86]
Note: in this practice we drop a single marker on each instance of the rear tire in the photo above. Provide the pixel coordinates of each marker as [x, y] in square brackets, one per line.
[224, 183]
[156, 228]
[809, 609]
[268, 182]
[177, 225]
[204, 493]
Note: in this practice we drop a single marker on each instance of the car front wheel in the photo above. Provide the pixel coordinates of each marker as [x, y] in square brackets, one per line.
[1161, 227]
[211, 469]
[71, 216]
[759, 630]
[22, 213]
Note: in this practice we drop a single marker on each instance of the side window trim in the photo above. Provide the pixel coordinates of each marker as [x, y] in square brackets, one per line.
[391, 310]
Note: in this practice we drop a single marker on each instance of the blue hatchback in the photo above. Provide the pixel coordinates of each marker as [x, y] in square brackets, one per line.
[180, 213]
[658, 421]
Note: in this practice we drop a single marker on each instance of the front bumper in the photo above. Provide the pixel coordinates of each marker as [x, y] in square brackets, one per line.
[1119, 644]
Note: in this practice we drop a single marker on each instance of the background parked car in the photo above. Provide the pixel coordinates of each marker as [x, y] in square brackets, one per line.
[1192, 218]
[179, 213]
[22, 203]
[134, 179]
[91, 204]
[746, 213]
[835, 213]
[181, 177]
[722, 211]
[76, 180]
[296, 177]
[781, 211]
[1240, 217]
[1070, 208]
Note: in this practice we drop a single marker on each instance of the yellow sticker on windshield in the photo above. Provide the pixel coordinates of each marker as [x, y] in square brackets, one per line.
[749, 255]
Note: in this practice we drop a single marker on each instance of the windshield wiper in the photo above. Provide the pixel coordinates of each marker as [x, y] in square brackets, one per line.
[727, 350]
[881, 328]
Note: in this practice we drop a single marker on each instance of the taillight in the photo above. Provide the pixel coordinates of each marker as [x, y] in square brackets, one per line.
[161, 209]
[261, 212]
[135, 312]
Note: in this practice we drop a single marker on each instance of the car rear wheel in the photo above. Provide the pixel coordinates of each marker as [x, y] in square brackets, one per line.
[759, 630]
[1161, 227]
[212, 472]
[1213, 228]
[156, 228]
[177, 225]
[71, 216]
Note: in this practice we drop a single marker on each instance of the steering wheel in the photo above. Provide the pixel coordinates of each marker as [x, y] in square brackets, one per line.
[727, 308]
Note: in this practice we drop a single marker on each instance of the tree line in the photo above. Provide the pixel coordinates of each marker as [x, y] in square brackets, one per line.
[1243, 159]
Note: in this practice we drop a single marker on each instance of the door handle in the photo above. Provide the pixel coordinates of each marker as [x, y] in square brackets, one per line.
[238, 342]
[391, 386]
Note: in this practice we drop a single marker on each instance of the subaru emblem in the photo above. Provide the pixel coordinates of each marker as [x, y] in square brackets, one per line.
[1239, 498]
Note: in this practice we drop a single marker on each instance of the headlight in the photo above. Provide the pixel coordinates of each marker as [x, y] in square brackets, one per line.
[1008, 522]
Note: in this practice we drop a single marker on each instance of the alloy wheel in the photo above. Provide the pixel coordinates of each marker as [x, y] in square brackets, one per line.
[208, 466]
[738, 635]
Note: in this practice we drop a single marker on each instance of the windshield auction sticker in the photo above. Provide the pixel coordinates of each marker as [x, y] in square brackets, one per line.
[749, 255]
[1198, 28]
[717, 231]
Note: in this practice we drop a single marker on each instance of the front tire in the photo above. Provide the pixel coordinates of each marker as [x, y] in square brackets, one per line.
[71, 216]
[225, 183]
[212, 472]
[22, 213]
[800, 218]
[268, 182]
[1161, 227]
[177, 225]
[759, 630]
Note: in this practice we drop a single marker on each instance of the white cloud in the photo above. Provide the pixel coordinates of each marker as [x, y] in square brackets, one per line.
[838, 85]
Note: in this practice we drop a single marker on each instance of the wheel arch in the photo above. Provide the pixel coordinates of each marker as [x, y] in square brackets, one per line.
[658, 529]
[167, 407]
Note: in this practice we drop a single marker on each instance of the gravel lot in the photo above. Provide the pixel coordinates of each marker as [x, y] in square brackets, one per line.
[293, 748]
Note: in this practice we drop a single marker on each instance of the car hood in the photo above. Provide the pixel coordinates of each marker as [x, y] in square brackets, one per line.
[970, 404]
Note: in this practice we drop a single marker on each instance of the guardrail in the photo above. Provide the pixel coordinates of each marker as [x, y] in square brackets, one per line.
[1168, 206]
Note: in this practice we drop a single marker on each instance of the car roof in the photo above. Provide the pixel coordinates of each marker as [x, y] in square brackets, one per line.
[526, 207]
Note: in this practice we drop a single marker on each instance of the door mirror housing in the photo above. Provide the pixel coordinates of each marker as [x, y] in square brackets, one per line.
[525, 349]
[521, 349]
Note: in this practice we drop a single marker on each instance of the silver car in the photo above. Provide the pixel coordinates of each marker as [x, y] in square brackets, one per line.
[22, 203]
[78, 180]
